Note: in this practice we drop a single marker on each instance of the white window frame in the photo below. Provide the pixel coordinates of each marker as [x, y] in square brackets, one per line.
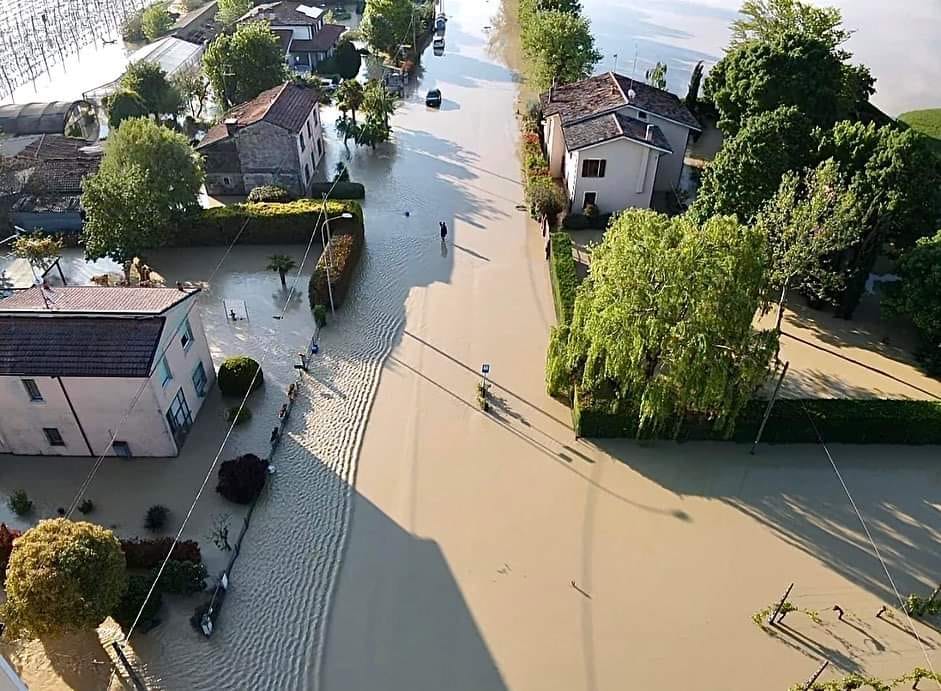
[49, 432]
[186, 338]
[32, 389]
[601, 170]
[585, 202]
[203, 390]
[166, 374]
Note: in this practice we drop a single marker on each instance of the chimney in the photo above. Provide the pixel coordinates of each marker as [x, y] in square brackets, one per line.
[649, 136]
[231, 125]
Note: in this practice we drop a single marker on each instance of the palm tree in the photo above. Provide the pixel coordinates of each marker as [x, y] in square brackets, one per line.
[282, 264]
[350, 96]
[379, 101]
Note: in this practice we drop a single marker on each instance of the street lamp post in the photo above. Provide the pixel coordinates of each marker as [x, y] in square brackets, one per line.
[325, 238]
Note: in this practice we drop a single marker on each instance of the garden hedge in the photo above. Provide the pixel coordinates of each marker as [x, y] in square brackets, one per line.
[344, 250]
[146, 554]
[236, 374]
[563, 275]
[269, 223]
[577, 221]
[343, 190]
[840, 421]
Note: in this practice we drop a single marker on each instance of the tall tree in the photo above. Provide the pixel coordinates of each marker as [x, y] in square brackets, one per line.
[657, 75]
[242, 65]
[560, 48]
[695, 82]
[387, 24]
[122, 105]
[156, 21]
[148, 181]
[766, 20]
[350, 96]
[664, 319]
[809, 220]
[789, 70]
[347, 59]
[897, 181]
[281, 263]
[918, 296]
[230, 11]
[570, 6]
[63, 576]
[149, 81]
[378, 101]
[193, 89]
[749, 167]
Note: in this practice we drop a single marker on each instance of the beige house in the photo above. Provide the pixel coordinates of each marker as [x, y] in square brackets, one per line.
[74, 359]
[274, 139]
[614, 142]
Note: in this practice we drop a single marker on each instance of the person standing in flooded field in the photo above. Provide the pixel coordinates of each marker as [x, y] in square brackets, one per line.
[443, 227]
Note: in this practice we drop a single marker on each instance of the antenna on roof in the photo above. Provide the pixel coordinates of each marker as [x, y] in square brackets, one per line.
[631, 94]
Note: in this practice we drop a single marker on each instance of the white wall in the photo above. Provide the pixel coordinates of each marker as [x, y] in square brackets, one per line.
[630, 167]
[671, 165]
[310, 154]
[100, 403]
[555, 145]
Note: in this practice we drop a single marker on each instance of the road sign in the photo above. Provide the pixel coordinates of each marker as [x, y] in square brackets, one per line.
[485, 368]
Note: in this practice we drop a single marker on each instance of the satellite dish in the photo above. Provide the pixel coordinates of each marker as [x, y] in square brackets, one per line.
[631, 94]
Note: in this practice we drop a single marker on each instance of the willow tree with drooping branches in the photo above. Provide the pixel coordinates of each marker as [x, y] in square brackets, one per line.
[664, 320]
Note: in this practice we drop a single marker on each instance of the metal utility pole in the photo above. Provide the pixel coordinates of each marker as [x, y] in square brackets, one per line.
[774, 396]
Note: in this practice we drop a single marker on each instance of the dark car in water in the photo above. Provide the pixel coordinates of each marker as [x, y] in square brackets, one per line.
[433, 99]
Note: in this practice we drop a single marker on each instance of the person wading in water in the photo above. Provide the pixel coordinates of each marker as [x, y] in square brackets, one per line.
[444, 230]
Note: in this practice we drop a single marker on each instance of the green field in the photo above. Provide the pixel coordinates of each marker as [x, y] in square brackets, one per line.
[928, 122]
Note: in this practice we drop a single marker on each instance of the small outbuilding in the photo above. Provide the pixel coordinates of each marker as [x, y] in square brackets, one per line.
[44, 118]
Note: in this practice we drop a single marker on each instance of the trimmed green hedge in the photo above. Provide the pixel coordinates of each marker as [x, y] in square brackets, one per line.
[343, 190]
[576, 221]
[840, 421]
[268, 223]
[344, 250]
[236, 374]
[563, 275]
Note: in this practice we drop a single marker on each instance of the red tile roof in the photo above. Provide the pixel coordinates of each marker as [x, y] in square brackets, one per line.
[94, 300]
[287, 106]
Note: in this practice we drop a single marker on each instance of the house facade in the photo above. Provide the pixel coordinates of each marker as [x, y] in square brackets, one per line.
[74, 359]
[274, 139]
[305, 38]
[614, 142]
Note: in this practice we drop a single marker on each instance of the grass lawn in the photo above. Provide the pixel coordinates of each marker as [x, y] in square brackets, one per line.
[928, 122]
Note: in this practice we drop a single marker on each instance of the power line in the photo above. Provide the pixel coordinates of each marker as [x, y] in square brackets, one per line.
[322, 217]
[872, 542]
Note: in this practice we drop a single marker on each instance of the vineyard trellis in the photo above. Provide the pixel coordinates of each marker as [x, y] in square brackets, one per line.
[36, 35]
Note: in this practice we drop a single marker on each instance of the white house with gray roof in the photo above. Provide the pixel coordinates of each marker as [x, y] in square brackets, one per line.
[614, 141]
[74, 359]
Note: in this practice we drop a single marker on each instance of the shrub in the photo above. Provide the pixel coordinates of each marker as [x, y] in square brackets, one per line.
[182, 577]
[87, 506]
[576, 221]
[132, 29]
[156, 517]
[344, 251]
[146, 554]
[558, 374]
[563, 276]
[264, 223]
[237, 374]
[63, 576]
[342, 190]
[545, 198]
[239, 415]
[242, 479]
[20, 503]
[138, 585]
[320, 315]
[269, 193]
[7, 537]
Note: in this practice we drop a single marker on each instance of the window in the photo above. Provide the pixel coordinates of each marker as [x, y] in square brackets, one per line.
[225, 181]
[163, 369]
[186, 338]
[300, 138]
[32, 389]
[122, 449]
[306, 172]
[179, 415]
[593, 167]
[53, 436]
[320, 147]
[591, 198]
[309, 133]
[316, 117]
[641, 115]
[199, 380]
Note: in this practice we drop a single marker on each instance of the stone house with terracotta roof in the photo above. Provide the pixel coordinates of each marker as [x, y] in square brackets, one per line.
[305, 38]
[614, 142]
[274, 139]
[75, 361]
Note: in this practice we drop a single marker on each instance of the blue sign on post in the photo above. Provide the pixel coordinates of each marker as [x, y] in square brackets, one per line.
[485, 368]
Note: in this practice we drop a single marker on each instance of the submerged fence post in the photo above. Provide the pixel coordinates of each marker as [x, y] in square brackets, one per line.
[780, 604]
[774, 396]
[810, 682]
